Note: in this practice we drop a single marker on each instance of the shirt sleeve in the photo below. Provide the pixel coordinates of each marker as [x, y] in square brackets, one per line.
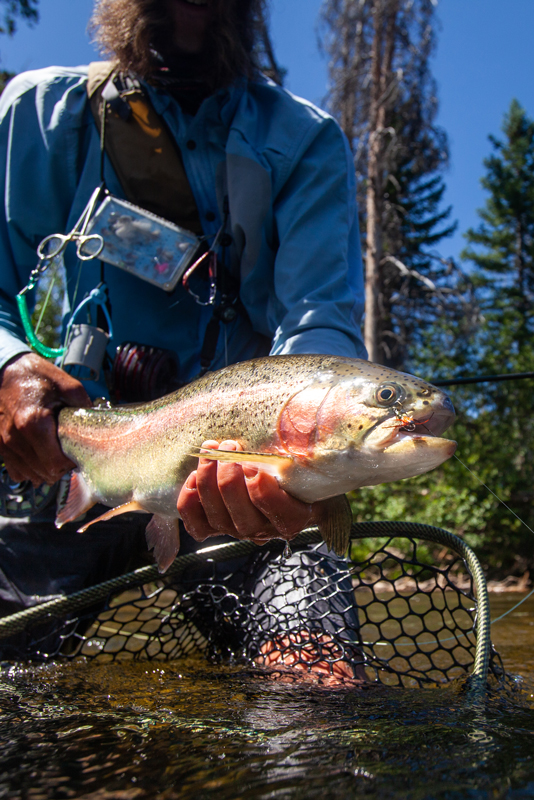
[38, 161]
[318, 266]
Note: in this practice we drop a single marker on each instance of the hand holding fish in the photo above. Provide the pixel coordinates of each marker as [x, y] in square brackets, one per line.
[318, 426]
[32, 391]
[244, 502]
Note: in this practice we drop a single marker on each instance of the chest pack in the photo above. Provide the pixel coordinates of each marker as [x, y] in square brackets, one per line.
[150, 169]
[141, 149]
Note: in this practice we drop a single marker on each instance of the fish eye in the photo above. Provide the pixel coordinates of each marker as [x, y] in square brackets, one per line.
[389, 393]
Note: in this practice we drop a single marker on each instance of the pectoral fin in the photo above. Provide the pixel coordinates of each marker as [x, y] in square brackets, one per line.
[335, 523]
[270, 462]
[77, 502]
[163, 536]
[113, 512]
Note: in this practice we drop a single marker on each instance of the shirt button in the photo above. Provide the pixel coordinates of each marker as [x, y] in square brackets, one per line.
[191, 144]
[210, 216]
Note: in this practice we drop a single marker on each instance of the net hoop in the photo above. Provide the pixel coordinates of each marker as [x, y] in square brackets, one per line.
[74, 603]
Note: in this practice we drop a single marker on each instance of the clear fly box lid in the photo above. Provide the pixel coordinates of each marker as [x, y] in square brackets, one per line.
[142, 243]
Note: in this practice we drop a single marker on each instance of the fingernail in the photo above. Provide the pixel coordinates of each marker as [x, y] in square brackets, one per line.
[228, 445]
[191, 482]
[208, 446]
[250, 472]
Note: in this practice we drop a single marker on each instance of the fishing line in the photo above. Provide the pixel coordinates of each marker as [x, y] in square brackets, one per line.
[78, 277]
[514, 608]
[496, 496]
[493, 493]
[453, 638]
[45, 303]
[493, 621]
[519, 520]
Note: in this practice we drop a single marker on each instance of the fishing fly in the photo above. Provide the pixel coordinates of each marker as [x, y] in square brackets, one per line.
[406, 421]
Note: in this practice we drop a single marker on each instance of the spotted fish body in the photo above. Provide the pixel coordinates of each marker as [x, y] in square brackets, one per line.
[324, 425]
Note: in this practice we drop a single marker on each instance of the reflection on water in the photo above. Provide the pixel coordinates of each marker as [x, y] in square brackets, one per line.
[189, 730]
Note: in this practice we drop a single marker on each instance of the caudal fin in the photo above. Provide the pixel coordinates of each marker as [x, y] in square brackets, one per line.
[77, 502]
[163, 536]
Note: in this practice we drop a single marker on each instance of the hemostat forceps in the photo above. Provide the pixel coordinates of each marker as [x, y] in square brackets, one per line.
[87, 246]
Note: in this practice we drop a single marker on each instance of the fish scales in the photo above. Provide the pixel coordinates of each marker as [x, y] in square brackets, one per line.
[324, 425]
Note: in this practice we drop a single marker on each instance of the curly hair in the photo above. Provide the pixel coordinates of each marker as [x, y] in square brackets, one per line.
[129, 31]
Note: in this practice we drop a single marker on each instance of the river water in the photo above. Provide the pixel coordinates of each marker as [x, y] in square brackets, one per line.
[190, 730]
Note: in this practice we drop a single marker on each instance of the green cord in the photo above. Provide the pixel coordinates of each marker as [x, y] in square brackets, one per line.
[39, 347]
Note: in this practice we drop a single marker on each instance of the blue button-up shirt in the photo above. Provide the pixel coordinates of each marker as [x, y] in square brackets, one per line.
[287, 171]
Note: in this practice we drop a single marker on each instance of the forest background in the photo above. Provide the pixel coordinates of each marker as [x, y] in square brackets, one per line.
[437, 306]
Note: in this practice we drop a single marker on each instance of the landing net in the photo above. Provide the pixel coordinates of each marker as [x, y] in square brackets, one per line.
[390, 612]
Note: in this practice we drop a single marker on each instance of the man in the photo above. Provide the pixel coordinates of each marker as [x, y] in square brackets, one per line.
[279, 166]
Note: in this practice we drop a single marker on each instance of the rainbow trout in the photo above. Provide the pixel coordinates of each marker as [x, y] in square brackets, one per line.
[323, 425]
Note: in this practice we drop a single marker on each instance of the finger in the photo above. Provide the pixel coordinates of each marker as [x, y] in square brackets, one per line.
[285, 513]
[21, 459]
[191, 511]
[36, 440]
[246, 518]
[207, 486]
[73, 394]
[18, 470]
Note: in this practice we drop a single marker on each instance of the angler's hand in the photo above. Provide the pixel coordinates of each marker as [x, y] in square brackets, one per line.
[32, 390]
[224, 498]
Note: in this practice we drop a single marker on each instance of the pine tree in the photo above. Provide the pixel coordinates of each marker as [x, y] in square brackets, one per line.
[502, 247]
[384, 97]
[495, 430]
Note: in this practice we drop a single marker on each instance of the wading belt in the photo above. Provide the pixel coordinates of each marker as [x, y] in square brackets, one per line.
[150, 169]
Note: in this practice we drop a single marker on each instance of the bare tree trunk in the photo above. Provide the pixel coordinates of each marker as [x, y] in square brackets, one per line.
[382, 50]
[351, 48]
[382, 93]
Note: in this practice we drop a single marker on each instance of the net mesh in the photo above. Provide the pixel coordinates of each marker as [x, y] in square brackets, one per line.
[389, 615]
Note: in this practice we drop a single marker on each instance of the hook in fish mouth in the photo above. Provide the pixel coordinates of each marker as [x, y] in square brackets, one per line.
[404, 424]
[441, 417]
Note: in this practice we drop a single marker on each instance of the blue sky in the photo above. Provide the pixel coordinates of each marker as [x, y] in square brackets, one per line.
[484, 58]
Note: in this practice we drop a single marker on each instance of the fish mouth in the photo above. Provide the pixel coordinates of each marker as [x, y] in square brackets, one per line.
[440, 418]
[434, 425]
[423, 426]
